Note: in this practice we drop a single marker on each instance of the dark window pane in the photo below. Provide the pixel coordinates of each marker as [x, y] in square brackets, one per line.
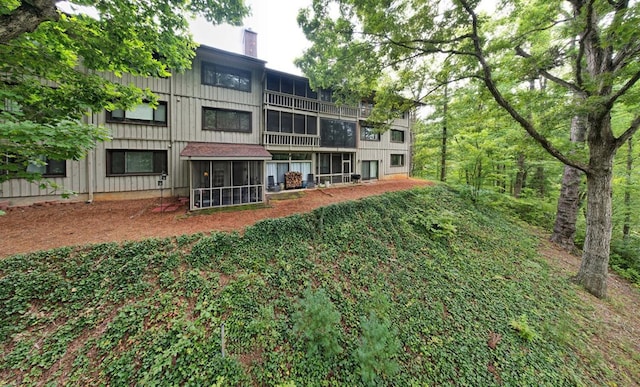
[397, 160]
[312, 125]
[310, 93]
[336, 163]
[226, 120]
[397, 135]
[286, 85]
[368, 133]
[222, 76]
[56, 168]
[287, 122]
[117, 162]
[136, 162]
[325, 95]
[300, 88]
[299, 124]
[273, 121]
[280, 156]
[336, 133]
[325, 163]
[273, 82]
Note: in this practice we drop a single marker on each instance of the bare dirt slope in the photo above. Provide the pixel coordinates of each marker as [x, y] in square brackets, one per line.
[43, 227]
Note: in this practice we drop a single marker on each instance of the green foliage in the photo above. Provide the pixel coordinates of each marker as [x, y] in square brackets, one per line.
[318, 324]
[520, 76]
[625, 259]
[522, 327]
[151, 312]
[69, 50]
[377, 351]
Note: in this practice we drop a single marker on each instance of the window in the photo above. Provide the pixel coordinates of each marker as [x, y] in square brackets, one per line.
[368, 133]
[141, 114]
[291, 123]
[337, 133]
[223, 76]
[326, 95]
[397, 135]
[52, 168]
[226, 120]
[397, 160]
[287, 85]
[136, 162]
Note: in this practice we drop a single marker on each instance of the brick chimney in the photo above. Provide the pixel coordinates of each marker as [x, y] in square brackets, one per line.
[250, 43]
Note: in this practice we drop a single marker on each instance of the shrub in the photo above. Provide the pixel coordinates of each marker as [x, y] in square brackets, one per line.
[318, 322]
[377, 351]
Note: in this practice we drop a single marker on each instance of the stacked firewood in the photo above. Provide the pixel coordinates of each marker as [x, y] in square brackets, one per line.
[293, 180]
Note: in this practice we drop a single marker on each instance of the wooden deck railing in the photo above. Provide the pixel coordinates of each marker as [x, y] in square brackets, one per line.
[291, 139]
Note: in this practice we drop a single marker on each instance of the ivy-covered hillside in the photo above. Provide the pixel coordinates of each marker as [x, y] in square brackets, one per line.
[410, 288]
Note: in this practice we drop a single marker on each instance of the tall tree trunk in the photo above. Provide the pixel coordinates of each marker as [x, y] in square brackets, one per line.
[538, 181]
[626, 227]
[443, 151]
[520, 176]
[595, 258]
[564, 229]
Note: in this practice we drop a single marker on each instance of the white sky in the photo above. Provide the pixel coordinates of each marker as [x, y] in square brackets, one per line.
[280, 39]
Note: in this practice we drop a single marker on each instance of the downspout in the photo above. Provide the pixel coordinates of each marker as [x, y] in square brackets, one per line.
[90, 172]
[172, 168]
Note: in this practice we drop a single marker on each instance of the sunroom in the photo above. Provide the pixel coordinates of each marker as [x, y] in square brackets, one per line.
[223, 174]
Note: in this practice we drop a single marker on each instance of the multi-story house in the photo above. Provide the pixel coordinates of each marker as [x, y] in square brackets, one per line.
[225, 133]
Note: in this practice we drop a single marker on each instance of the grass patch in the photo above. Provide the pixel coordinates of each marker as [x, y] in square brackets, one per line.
[286, 195]
[440, 291]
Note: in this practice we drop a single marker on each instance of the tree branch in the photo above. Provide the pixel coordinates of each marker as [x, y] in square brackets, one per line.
[551, 77]
[499, 98]
[630, 83]
[624, 137]
[26, 18]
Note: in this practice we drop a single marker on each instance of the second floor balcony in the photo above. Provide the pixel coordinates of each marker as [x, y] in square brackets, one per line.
[290, 140]
[283, 100]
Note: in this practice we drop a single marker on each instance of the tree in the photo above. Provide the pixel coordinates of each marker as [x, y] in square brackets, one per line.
[52, 62]
[355, 41]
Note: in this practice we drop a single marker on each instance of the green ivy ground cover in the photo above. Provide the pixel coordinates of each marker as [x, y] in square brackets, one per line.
[408, 288]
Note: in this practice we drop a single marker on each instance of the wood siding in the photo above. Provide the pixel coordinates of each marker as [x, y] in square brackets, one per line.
[186, 97]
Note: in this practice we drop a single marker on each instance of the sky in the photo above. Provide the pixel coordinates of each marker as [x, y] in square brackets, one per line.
[280, 39]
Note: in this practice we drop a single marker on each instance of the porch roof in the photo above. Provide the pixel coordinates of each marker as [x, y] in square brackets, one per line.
[224, 151]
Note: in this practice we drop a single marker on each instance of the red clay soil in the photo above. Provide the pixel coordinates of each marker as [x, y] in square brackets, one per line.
[42, 227]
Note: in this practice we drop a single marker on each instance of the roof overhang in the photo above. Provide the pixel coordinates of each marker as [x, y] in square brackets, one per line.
[223, 151]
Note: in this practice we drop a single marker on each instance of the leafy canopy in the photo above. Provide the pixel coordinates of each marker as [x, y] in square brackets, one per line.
[52, 65]
[589, 49]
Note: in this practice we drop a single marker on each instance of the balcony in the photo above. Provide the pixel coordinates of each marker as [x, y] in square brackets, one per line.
[273, 98]
[290, 140]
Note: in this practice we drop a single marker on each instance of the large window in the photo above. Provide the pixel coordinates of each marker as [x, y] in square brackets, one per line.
[368, 132]
[289, 85]
[52, 168]
[223, 76]
[337, 133]
[397, 135]
[47, 168]
[141, 114]
[136, 162]
[397, 160]
[226, 120]
[291, 123]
